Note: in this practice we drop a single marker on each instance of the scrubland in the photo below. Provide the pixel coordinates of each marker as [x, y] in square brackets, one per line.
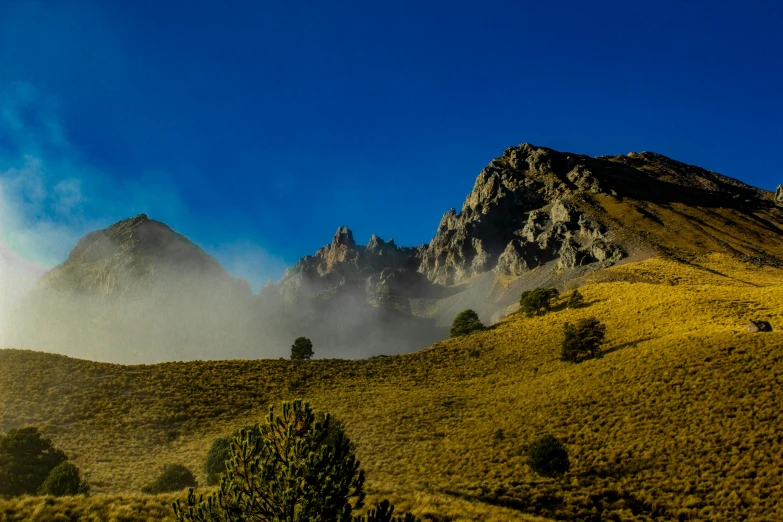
[679, 419]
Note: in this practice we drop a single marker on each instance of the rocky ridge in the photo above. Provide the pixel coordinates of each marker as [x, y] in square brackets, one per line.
[519, 216]
[530, 207]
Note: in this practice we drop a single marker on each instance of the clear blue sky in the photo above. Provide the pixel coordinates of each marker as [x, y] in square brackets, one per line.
[257, 128]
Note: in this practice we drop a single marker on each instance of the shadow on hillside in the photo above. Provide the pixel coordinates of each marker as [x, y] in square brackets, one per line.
[564, 305]
[626, 345]
[618, 472]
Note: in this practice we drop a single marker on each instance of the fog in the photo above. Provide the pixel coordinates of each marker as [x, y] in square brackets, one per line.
[158, 297]
[113, 306]
[181, 318]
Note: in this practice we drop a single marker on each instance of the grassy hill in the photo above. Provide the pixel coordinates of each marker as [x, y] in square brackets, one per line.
[680, 418]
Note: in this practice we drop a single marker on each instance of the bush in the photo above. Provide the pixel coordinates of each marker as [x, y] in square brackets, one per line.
[297, 466]
[174, 477]
[465, 323]
[302, 349]
[64, 480]
[215, 464]
[575, 300]
[538, 301]
[582, 339]
[26, 459]
[384, 512]
[548, 457]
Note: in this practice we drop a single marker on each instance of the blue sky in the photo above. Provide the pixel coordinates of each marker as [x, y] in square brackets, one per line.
[258, 128]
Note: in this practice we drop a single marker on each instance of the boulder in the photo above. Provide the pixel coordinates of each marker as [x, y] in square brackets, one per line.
[759, 326]
[779, 196]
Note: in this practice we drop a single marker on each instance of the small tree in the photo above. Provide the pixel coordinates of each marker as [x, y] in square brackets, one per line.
[64, 480]
[538, 301]
[302, 349]
[215, 464]
[582, 339]
[293, 472]
[548, 457]
[220, 451]
[173, 477]
[576, 299]
[466, 322]
[26, 459]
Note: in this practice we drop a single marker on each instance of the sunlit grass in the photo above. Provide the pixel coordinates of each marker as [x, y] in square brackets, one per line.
[679, 419]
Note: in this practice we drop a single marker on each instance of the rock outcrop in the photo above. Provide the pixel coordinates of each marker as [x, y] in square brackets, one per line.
[759, 326]
[519, 216]
[779, 196]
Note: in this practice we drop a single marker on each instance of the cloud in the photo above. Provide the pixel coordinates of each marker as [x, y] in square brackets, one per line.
[51, 196]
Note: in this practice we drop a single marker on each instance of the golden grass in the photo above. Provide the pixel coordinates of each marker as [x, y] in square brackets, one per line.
[680, 418]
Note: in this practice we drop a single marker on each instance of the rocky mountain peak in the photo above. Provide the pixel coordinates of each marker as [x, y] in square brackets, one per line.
[343, 237]
[533, 206]
[131, 254]
[779, 195]
[517, 217]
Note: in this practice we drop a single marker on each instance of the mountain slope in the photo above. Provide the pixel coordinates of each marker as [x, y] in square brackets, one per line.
[678, 420]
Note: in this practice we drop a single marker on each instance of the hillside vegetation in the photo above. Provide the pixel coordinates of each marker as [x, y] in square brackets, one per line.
[679, 419]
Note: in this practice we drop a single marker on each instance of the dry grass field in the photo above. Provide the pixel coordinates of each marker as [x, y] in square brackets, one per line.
[679, 419]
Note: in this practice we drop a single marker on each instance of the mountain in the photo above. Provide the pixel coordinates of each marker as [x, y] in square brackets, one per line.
[138, 255]
[535, 217]
[539, 217]
[136, 291]
[678, 419]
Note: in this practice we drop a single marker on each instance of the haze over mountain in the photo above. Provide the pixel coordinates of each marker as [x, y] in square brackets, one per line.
[139, 292]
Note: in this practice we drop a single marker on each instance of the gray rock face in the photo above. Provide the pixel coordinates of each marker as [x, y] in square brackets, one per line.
[343, 263]
[517, 217]
[779, 196]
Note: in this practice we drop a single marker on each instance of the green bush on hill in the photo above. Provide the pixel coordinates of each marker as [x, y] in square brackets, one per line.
[26, 460]
[582, 339]
[173, 477]
[64, 480]
[466, 322]
[295, 471]
[302, 349]
[538, 301]
[548, 457]
[215, 464]
[576, 299]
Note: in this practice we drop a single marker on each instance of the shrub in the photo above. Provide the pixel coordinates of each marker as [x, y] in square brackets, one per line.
[582, 339]
[575, 300]
[302, 349]
[465, 323]
[548, 457]
[173, 477]
[538, 301]
[298, 469]
[63, 480]
[220, 451]
[384, 512]
[26, 459]
[215, 464]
